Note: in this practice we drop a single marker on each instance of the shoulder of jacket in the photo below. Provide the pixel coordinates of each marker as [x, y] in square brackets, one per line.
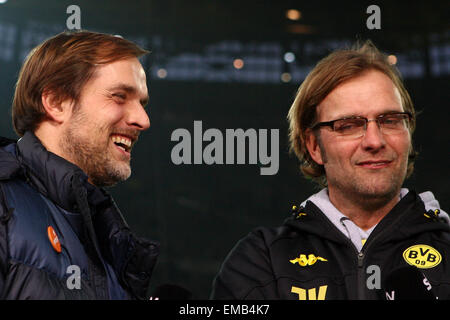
[13, 192]
[9, 165]
[35, 227]
[266, 236]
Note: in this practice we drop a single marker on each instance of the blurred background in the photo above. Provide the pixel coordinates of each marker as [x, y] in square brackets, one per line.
[237, 64]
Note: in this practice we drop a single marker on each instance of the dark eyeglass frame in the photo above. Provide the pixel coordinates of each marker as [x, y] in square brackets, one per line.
[377, 119]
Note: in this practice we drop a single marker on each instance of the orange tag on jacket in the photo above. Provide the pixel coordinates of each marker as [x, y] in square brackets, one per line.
[54, 239]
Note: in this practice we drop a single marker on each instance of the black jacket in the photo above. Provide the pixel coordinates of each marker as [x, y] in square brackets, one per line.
[308, 258]
[43, 196]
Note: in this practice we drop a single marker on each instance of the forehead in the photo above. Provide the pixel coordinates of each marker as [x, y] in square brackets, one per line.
[128, 72]
[369, 94]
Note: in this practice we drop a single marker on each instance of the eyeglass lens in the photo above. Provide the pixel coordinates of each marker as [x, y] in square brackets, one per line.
[388, 124]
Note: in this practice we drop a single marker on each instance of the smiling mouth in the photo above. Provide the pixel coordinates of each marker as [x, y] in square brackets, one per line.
[378, 164]
[122, 142]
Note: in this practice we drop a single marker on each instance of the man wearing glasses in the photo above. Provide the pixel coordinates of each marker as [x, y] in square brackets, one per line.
[362, 236]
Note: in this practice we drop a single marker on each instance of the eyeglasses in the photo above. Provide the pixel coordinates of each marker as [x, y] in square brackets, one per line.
[355, 127]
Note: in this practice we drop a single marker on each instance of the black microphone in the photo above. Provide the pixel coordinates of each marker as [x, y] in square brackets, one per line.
[171, 292]
[408, 283]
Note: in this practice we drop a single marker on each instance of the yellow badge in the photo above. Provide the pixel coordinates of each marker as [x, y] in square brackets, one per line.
[303, 261]
[422, 256]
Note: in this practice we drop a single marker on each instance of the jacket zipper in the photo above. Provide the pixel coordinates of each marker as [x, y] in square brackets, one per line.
[361, 276]
[360, 255]
[100, 285]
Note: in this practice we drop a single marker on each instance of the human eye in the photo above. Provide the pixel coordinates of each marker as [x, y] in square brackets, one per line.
[348, 126]
[119, 97]
[392, 120]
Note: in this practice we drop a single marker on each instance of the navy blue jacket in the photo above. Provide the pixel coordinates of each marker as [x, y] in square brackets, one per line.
[38, 190]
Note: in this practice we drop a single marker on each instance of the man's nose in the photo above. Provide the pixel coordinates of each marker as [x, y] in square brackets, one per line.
[373, 138]
[137, 117]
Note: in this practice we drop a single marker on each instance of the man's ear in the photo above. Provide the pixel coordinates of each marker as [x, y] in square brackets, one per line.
[57, 111]
[312, 144]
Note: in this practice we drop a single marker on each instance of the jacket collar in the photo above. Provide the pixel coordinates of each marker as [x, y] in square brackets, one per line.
[53, 175]
[406, 218]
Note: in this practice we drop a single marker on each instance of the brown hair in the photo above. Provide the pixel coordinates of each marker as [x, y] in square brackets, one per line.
[331, 71]
[62, 65]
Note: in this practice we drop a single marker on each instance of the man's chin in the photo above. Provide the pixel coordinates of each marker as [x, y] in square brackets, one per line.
[111, 177]
[369, 192]
[377, 194]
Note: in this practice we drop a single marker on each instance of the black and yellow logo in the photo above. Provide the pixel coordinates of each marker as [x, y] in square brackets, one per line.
[310, 294]
[303, 260]
[422, 256]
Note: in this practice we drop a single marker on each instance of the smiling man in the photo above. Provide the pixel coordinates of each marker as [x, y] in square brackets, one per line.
[362, 236]
[100, 140]
[365, 161]
[79, 109]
